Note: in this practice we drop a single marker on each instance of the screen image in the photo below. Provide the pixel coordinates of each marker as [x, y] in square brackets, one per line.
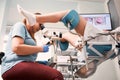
[99, 20]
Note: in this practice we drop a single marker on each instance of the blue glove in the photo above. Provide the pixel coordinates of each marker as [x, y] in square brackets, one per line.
[45, 48]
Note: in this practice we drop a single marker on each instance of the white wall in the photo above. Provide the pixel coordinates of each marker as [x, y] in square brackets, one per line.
[105, 71]
[2, 16]
[2, 30]
[91, 7]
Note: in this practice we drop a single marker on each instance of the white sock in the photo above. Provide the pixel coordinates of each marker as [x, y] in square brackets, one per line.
[30, 17]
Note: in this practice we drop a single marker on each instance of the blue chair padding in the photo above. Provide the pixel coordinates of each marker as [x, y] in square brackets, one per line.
[63, 45]
[103, 49]
[71, 18]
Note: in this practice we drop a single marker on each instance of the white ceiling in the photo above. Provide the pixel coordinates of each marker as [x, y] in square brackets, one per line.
[97, 0]
[85, 0]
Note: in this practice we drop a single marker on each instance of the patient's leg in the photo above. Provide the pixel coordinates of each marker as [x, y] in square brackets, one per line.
[68, 16]
[51, 17]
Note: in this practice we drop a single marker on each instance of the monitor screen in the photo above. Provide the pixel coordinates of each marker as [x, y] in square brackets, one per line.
[100, 20]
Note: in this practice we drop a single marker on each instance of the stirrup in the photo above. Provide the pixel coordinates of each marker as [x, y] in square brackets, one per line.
[84, 73]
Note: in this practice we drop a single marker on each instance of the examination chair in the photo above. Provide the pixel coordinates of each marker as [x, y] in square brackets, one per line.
[1, 55]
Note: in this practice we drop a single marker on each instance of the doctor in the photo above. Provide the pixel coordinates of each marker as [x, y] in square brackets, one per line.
[19, 61]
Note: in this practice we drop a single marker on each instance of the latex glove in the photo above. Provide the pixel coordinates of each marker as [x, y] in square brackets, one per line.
[45, 48]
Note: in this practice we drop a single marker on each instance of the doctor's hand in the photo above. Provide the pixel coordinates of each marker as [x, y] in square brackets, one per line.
[45, 48]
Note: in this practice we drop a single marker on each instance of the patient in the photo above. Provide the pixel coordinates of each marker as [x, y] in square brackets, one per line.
[72, 20]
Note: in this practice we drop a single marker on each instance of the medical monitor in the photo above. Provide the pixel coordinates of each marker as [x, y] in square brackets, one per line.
[99, 20]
